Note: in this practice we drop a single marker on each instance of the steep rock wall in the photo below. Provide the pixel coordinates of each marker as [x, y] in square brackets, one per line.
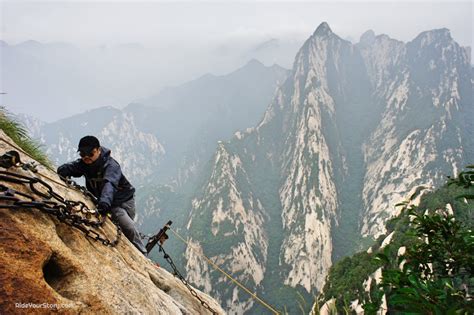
[46, 262]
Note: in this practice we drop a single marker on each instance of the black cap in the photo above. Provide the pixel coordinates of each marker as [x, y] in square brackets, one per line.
[87, 144]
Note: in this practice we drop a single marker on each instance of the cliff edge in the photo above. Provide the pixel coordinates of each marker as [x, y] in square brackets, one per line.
[49, 266]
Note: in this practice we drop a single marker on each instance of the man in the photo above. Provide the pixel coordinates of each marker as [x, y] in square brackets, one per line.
[104, 179]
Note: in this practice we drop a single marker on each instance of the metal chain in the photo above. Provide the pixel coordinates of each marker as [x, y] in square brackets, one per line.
[54, 204]
[185, 282]
[12, 158]
[71, 183]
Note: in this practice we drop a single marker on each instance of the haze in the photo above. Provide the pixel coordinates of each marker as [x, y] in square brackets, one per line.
[80, 55]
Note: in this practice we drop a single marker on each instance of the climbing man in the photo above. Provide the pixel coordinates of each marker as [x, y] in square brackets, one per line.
[104, 179]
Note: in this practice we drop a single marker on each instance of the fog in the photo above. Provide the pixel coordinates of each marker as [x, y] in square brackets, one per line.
[61, 58]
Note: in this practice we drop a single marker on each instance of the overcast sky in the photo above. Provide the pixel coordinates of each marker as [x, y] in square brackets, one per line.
[187, 39]
[155, 22]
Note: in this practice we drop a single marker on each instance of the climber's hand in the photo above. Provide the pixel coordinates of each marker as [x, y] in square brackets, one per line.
[103, 208]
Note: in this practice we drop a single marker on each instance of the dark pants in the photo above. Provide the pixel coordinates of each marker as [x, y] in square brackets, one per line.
[124, 215]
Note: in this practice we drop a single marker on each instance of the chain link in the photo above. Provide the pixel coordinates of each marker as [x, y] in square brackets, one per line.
[54, 204]
[12, 158]
[72, 184]
[185, 282]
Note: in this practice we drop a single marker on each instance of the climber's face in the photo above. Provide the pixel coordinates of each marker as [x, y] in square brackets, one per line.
[91, 157]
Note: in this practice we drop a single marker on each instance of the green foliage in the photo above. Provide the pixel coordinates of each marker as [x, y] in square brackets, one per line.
[345, 278]
[465, 178]
[19, 135]
[434, 275]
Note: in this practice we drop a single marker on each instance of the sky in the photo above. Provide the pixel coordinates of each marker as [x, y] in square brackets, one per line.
[155, 22]
[187, 39]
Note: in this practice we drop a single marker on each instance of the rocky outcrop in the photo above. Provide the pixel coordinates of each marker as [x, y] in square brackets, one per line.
[47, 266]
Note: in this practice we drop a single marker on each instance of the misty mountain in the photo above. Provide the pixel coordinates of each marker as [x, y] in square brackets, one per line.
[36, 74]
[187, 119]
[191, 118]
[352, 131]
[276, 51]
[62, 78]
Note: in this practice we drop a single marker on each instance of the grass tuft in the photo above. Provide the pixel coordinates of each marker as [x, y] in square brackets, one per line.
[18, 133]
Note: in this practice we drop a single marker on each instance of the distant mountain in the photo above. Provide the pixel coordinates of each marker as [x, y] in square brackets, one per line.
[33, 124]
[353, 130]
[185, 121]
[53, 80]
[191, 118]
[274, 50]
[47, 76]
[139, 153]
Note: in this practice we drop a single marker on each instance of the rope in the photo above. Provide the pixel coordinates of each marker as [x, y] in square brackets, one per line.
[216, 267]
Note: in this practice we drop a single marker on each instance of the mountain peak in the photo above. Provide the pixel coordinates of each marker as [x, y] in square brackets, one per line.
[254, 63]
[134, 106]
[436, 35]
[323, 29]
[367, 38]
[251, 66]
[441, 32]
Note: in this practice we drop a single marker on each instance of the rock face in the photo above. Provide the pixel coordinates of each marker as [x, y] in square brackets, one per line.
[422, 134]
[353, 130]
[47, 264]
